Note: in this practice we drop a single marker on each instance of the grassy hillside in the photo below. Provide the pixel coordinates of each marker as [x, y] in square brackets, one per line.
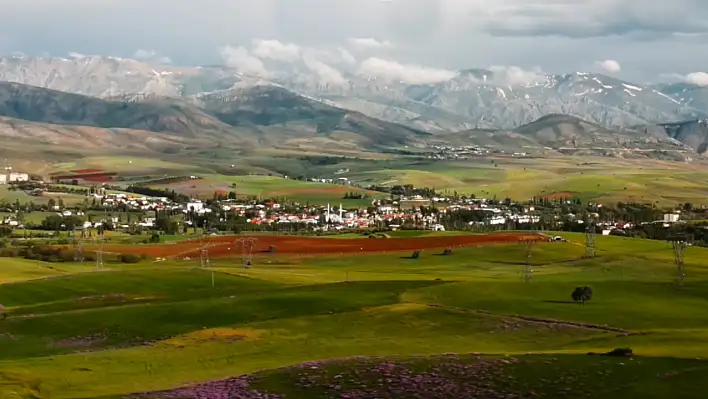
[590, 178]
[163, 325]
[274, 187]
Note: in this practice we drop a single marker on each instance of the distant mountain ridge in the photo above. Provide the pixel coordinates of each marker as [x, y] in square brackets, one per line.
[474, 98]
[295, 108]
[240, 118]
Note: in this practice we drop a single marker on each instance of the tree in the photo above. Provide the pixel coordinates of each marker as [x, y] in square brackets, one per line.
[5, 231]
[582, 294]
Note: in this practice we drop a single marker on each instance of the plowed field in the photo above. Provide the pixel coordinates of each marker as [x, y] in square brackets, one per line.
[226, 246]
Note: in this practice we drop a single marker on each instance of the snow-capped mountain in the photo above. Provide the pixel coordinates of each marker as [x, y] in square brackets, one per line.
[474, 98]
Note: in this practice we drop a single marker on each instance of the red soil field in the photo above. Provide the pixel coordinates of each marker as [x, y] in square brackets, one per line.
[84, 171]
[225, 246]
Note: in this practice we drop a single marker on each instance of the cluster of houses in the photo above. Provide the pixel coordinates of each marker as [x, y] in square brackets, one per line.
[381, 213]
[12, 177]
[446, 152]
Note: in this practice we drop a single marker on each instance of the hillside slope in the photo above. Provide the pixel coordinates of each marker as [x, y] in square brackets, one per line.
[571, 135]
[244, 116]
[273, 106]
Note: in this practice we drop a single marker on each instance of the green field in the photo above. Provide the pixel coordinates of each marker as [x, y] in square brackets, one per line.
[274, 187]
[602, 179]
[75, 332]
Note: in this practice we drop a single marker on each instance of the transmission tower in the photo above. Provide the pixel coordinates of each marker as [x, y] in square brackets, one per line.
[78, 249]
[246, 246]
[99, 254]
[590, 242]
[528, 249]
[679, 244]
[203, 253]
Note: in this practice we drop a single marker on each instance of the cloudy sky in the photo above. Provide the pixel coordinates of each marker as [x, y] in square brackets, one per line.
[639, 40]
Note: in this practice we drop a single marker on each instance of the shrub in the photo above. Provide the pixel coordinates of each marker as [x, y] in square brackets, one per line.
[129, 258]
[10, 253]
[582, 294]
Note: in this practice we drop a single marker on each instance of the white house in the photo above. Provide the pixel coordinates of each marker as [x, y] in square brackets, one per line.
[197, 206]
[14, 176]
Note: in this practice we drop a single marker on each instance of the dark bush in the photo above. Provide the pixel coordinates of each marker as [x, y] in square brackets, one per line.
[10, 253]
[619, 352]
[582, 294]
[129, 258]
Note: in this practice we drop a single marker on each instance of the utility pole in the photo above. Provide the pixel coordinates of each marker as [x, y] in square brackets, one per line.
[99, 254]
[528, 249]
[78, 249]
[590, 241]
[246, 245]
[679, 244]
[203, 254]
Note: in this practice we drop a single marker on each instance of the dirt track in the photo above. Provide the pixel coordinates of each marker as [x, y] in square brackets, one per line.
[226, 246]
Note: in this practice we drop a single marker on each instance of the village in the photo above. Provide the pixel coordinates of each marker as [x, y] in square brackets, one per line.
[101, 206]
[104, 210]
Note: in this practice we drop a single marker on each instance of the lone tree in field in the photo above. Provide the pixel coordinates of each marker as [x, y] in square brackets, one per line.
[582, 294]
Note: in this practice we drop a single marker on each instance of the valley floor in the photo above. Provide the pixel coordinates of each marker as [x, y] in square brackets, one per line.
[75, 332]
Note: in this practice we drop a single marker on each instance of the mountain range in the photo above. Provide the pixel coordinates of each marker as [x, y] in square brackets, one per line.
[216, 104]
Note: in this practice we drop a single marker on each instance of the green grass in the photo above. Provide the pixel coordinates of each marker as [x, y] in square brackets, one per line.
[551, 375]
[274, 187]
[152, 326]
[590, 178]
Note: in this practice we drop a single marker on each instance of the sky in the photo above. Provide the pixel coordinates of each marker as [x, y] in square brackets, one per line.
[418, 40]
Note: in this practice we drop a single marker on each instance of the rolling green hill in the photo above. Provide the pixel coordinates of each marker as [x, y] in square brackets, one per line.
[162, 325]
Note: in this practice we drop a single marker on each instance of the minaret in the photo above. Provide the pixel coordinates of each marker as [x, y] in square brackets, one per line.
[328, 210]
[8, 171]
[341, 215]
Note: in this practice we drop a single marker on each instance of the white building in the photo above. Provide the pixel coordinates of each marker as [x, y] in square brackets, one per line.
[14, 176]
[198, 207]
[671, 217]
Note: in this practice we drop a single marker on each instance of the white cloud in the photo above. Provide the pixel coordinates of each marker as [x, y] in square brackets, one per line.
[407, 73]
[276, 50]
[78, 56]
[142, 54]
[151, 55]
[347, 57]
[369, 43]
[241, 59]
[326, 73]
[611, 66]
[516, 76]
[697, 78]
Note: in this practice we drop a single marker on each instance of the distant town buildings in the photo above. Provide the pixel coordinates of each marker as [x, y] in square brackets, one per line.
[12, 177]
